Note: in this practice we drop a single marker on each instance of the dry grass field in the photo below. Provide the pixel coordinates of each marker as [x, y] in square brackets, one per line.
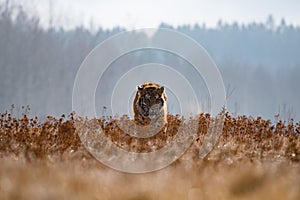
[253, 159]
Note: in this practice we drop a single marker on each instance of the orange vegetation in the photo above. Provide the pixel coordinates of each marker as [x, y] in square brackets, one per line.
[253, 159]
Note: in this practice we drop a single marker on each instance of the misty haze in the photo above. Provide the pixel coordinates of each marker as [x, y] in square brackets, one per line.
[259, 63]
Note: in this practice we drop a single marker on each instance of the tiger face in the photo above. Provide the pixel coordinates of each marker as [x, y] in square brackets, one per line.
[150, 104]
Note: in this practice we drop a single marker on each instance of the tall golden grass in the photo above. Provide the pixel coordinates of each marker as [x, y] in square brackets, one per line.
[253, 159]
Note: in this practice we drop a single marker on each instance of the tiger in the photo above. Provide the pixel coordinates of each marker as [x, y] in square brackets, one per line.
[150, 105]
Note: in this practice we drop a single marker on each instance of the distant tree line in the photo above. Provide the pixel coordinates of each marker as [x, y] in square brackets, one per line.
[259, 60]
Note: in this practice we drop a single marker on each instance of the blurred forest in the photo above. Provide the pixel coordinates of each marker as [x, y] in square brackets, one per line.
[260, 63]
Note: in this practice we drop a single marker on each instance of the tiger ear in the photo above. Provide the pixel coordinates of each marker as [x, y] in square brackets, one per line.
[161, 89]
[139, 88]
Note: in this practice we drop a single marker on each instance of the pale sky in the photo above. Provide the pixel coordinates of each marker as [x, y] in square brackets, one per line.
[150, 13]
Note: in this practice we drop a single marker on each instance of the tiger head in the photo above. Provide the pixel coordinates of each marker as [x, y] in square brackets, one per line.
[150, 102]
